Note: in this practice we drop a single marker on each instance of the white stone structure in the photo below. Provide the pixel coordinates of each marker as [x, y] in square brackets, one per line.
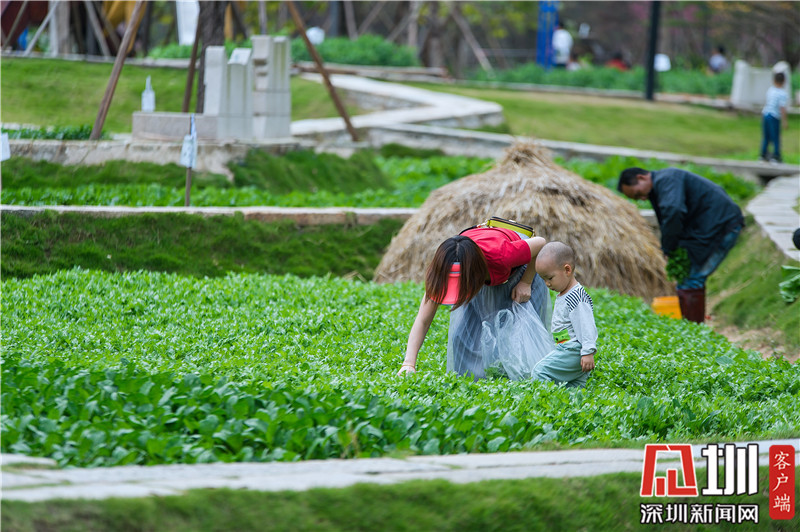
[247, 97]
[261, 49]
[215, 80]
[750, 84]
[272, 98]
[237, 106]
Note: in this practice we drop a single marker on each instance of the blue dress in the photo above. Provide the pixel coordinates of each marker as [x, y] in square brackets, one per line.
[493, 331]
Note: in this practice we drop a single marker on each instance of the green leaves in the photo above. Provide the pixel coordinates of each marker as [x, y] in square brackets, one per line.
[678, 265]
[365, 50]
[296, 179]
[676, 80]
[53, 133]
[790, 286]
[260, 367]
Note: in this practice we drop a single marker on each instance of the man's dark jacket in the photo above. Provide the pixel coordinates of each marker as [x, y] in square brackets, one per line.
[693, 212]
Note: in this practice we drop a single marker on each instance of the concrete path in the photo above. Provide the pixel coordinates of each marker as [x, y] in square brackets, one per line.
[28, 479]
[301, 215]
[774, 210]
[402, 105]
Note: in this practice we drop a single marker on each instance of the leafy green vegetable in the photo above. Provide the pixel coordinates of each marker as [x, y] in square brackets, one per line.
[297, 179]
[144, 368]
[53, 133]
[678, 265]
[790, 286]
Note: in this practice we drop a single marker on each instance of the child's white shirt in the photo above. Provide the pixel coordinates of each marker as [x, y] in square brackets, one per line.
[574, 313]
[777, 98]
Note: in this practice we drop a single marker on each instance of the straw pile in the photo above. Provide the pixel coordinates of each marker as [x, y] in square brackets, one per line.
[615, 247]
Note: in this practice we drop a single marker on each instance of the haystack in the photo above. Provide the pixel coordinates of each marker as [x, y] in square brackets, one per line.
[614, 245]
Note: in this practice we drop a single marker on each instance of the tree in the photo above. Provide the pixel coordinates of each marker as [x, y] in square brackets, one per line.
[763, 32]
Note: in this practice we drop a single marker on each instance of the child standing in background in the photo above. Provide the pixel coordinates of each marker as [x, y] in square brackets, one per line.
[771, 115]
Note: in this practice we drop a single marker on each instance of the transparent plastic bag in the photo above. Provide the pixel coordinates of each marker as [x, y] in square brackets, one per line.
[494, 333]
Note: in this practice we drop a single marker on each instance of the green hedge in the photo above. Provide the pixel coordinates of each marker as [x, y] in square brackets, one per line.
[368, 49]
[673, 81]
[365, 50]
[53, 133]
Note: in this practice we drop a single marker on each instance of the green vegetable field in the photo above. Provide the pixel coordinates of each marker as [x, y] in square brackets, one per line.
[247, 352]
[145, 368]
[300, 179]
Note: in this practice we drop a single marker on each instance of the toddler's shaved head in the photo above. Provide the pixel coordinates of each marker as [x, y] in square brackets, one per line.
[558, 252]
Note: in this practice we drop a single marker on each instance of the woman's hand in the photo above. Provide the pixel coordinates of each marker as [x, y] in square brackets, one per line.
[427, 310]
[406, 368]
[522, 292]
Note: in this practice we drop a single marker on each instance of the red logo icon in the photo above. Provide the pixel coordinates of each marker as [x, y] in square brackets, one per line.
[668, 486]
[781, 481]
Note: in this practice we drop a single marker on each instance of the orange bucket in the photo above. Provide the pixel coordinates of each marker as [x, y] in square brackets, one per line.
[667, 306]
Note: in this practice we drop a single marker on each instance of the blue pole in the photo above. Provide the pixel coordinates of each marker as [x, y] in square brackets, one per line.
[548, 16]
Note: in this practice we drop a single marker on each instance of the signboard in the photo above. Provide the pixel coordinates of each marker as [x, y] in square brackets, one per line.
[189, 148]
[5, 152]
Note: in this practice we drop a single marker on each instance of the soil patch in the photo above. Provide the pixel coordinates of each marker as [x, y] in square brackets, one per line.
[765, 341]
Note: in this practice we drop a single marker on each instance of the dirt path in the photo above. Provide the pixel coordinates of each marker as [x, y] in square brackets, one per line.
[766, 341]
[761, 340]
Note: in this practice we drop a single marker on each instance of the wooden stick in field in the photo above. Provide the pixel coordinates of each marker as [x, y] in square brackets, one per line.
[301, 27]
[130, 32]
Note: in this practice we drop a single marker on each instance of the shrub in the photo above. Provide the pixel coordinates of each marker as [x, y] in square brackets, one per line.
[673, 81]
[366, 50]
[53, 133]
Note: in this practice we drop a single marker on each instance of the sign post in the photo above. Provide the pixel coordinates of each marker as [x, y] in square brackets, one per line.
[548, 16]
[5, 147]
[189, 157]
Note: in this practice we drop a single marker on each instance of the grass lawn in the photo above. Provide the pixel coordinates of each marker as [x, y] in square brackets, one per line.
[638, 124]
[190, 245]
[607, 502]
[744, 291]
[48, 92]
[64, 93]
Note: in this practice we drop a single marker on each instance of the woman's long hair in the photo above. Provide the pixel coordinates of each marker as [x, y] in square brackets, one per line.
[474, 270]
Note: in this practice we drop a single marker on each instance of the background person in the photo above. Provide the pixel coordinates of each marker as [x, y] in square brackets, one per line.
[693, 213]
[717, 62]
[618, 62]
[497, 269]
[562, 46]
[573, 64]
[772, 113]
